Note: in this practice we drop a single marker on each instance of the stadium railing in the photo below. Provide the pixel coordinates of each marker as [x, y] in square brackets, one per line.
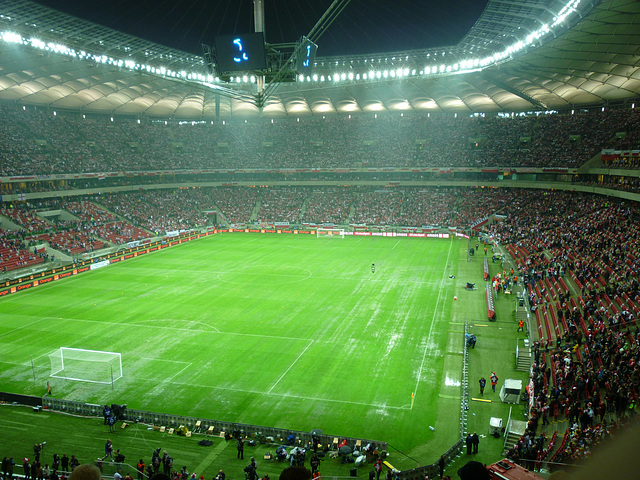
[174, 421]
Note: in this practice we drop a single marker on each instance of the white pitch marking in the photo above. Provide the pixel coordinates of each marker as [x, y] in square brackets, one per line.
[178, 373]
[290, 367]
[163, 360]
[287, 395]
[395, 245]
[13, 330]
[155, 326]
[435, 312]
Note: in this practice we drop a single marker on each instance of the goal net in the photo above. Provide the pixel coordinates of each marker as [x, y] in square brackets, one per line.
[82, 365]
[330, 233]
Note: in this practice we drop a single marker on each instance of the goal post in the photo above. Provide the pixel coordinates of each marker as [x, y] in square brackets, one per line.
[330, 233]
[93, 366]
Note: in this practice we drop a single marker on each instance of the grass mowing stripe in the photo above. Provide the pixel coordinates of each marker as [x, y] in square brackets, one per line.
[428, 345]
[272, 330]
[289, 368]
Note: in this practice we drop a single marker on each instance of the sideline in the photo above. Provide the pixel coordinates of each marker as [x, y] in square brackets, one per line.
[428, 346]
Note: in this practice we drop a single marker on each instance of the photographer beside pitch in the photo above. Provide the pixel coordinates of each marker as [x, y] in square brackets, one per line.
[37, 448]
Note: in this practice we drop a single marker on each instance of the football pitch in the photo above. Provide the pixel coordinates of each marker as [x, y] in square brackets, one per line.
[287, 331]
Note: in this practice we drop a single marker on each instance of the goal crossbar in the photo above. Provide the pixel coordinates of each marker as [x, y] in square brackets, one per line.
[93, 366]
[330, 233]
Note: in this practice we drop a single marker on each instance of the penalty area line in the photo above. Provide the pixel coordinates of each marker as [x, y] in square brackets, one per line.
[290, 367]
[288, 395]
[179, 372]
[433, 322]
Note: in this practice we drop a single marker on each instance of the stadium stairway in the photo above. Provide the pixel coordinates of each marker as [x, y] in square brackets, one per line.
[352, 210]
[513, 435]
[7, 224]
[524, 359]
[59, 255]
[303, 209]
[593, 162]
[222, 218]
[255, 211]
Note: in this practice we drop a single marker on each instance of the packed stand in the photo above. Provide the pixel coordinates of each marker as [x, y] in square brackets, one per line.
[577, 254]
[236, 204]
[161, 211]
[35, 141]
[14, 253]
[280, 205]
[328, 205]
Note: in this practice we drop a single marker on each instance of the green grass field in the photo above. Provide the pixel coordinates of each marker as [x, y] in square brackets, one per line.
[286, 331]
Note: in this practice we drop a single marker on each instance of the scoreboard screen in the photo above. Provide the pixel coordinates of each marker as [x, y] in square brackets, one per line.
[235, 53]
[306, 56]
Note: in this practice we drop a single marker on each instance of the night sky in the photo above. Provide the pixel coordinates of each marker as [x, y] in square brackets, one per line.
[365, 26]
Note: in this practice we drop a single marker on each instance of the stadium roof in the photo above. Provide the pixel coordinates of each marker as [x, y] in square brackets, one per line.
[76, 64]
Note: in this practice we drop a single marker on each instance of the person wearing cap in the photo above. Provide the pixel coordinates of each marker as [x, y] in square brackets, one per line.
[494, 381]
[27, 468]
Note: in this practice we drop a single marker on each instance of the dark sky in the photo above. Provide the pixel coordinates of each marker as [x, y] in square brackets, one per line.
[364, 26]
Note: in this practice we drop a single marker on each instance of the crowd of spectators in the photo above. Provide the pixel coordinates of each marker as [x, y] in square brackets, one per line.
[623, 162]
[627, 184]
[328, 205]
[579, 257]
[14, 254]
[280, 205]
[161, 211]
[37, 141]
[97, 221]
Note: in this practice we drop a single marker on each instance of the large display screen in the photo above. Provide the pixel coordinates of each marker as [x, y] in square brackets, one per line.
[306, 56]
[240, 52]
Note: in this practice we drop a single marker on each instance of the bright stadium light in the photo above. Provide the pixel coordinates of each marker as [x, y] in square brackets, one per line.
[449, 64]
[11, 37]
